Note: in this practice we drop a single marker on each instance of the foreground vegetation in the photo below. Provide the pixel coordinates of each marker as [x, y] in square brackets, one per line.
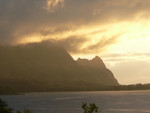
[91, 108]
[5, 109]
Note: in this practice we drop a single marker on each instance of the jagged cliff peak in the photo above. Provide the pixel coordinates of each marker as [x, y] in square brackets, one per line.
[96, 62]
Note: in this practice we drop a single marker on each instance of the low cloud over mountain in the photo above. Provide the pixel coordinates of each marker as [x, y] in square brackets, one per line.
[44, 67]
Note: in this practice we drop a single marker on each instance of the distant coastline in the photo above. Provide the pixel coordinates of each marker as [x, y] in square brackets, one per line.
[131, 87]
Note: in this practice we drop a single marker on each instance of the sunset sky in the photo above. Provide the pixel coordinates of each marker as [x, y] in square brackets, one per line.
[116, 30]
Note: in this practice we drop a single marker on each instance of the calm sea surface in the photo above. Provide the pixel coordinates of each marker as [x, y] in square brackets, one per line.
[71, 102]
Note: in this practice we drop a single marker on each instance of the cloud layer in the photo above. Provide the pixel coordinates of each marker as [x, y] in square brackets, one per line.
[80, 26]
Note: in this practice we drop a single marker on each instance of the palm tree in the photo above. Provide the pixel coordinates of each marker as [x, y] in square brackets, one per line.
[4, 107]
[92, 108]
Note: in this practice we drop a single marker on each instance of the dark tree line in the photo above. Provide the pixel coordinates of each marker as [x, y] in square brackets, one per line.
[5, 109]
[91, 108]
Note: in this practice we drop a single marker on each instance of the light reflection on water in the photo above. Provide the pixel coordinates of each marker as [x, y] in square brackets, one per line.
[71, 102]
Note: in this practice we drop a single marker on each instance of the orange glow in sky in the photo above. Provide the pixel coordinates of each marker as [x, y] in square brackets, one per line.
[116, 30]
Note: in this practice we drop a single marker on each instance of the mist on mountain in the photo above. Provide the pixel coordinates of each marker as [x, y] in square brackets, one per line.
[46, 67]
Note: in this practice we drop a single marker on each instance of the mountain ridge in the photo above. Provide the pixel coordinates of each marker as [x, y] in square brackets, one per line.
[39, 67]
[97, 67]
[96, 62]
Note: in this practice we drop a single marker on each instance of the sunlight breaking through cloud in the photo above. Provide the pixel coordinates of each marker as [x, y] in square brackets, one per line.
[51, 5]
[85, 28]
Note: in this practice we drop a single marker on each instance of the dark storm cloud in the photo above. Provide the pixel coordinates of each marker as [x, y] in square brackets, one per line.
[24, 17]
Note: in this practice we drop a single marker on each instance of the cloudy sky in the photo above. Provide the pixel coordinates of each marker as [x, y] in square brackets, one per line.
[116, 30]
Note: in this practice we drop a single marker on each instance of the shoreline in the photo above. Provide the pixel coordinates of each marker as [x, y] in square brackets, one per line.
[42, 92]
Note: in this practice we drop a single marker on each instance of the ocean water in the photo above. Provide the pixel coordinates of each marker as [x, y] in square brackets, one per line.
[71, 102]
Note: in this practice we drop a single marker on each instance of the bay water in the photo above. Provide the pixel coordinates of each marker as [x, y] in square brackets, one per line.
[71, 102]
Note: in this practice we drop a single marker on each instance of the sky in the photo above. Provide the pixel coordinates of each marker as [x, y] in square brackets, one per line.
[115, 30]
